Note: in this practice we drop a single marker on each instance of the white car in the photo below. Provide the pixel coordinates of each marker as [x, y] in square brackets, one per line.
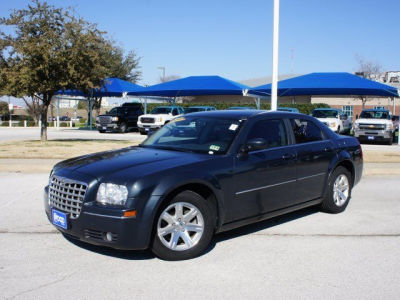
[157, 118]
[334, 118]
[374, 125]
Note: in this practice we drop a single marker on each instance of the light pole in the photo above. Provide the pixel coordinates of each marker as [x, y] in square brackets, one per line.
[163, 76]
[275, 49]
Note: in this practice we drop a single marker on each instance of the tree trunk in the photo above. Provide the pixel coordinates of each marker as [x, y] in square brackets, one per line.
[46, 103]
[43, 128]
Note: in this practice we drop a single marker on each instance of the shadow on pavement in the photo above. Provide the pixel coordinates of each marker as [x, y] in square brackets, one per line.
[219, 238]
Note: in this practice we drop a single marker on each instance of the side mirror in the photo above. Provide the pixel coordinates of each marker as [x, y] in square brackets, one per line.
[255, 144]
[106, 111]
[356, 116]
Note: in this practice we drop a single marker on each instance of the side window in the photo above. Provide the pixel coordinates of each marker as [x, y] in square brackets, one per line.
[306, 131]
[273, 131]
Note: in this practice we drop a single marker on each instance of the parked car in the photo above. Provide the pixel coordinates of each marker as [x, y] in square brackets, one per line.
[120, 119]
[395, 120]
[374, 125]
[65, 119]
[158, 117]
[240, 108]
[77, 118]
[201, 174]
[192, 109]
[334, 118]
[288, 109]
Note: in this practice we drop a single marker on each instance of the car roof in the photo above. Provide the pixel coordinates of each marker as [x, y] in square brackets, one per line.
[167, 106]
[247, 114]
[376, 109]
[200, 106]
[327, 108]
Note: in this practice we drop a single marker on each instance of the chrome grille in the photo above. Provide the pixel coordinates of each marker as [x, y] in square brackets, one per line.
[147, 120]
[372, 126]
[67, 195]
[105, 119]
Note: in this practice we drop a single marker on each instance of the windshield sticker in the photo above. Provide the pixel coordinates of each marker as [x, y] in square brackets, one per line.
[210, 152]
[214, 147]
[177, 120]
[233, 127]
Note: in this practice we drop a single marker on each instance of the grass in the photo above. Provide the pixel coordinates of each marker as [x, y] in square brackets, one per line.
[58, 149]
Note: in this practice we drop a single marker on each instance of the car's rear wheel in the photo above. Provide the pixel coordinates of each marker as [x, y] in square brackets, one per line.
[184, 227]
[339, 191]
[102, 131]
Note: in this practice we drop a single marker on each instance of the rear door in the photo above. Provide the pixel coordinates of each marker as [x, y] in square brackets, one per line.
[265, 179]
[314, 154]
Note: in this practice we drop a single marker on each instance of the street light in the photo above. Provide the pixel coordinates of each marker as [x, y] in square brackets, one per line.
[163, 69]
[275, 49]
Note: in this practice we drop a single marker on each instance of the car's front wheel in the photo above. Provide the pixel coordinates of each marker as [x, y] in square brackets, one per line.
[184, 227]
[339, 191]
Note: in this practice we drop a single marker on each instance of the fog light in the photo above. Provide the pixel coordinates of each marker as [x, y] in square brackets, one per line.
[109, 236]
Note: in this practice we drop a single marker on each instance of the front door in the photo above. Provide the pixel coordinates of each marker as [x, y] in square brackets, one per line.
[264, 179]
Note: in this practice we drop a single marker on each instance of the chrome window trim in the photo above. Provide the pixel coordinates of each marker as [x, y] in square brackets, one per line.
[280, 183]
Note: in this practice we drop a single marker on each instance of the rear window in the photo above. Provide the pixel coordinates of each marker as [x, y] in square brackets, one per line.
[306, 131]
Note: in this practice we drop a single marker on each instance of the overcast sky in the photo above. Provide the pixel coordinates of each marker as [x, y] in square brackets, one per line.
[234, 38]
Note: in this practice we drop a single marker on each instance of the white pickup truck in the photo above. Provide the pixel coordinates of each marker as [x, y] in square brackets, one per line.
[334, 118]
[374, 125]
[157, 118]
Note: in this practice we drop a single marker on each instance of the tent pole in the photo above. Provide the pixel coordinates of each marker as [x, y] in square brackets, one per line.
[275, 49]
[58, 114]
[90, 113]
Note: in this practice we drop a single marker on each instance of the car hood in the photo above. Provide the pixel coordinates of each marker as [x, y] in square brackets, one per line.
[155, 115]
[327, 119]
[373, 121]
[100, 165]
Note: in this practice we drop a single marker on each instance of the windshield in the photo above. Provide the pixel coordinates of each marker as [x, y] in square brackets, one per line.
[325, 113]
[161, 110]
[115, 110]
[194, 109]
[195, 134]
[374, 115]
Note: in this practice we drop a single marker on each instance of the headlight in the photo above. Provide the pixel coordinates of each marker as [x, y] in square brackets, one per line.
[389, 126]
[114, 119]
[356, 125]
[97, 119]
[113, 194]
[332, 124]
[159, 119]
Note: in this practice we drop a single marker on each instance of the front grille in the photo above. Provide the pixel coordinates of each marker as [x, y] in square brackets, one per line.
[67, 195]
[373, 126]
[147, 120]
[105, 119]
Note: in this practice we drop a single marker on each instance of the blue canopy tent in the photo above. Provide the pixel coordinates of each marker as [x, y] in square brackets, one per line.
[326, 84]
[193, 86]
[112, 87]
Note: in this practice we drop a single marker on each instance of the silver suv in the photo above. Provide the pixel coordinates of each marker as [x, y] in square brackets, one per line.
[374, 125]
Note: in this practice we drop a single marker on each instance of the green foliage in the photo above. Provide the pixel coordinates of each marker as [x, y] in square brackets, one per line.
[82, 121]
[4, 108]
[303, 108]
[64, 124]
[83, 105]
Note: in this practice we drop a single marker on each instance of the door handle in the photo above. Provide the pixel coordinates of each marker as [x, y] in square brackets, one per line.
[288, 156]
[326, 149]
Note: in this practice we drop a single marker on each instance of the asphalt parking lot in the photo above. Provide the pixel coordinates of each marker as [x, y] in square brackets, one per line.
[303, 255]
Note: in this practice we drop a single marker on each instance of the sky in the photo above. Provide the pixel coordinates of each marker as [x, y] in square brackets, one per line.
[233, 38]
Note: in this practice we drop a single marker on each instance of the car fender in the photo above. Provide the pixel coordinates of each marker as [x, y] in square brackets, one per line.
[167, 185]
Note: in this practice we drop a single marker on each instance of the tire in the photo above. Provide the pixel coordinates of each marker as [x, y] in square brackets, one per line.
[123, 128]
[172, 240]
[333, 202]
[389, 141]
[102, 131]
[338, 130]
[142, 133]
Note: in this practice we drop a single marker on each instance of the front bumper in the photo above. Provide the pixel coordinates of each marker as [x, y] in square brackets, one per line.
[95, 222]
[373, 135]
[107, 127]
[149, 127]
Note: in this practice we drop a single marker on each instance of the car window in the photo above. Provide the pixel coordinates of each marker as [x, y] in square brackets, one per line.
[273, 131]
[306, 131]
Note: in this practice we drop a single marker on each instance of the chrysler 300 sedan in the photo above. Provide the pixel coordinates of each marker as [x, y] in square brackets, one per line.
[201, 174]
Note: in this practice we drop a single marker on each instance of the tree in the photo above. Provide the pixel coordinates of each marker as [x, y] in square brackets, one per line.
[49, 49]
[34, 107]
[369, 70]
[3, 108]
